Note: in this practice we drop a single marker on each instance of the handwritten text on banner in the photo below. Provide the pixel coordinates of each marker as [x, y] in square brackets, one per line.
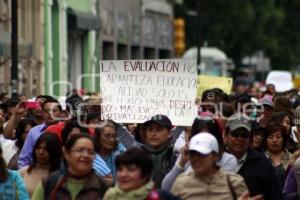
[135, 90]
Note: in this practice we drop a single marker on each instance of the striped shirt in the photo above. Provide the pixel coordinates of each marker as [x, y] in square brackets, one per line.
[100, 166]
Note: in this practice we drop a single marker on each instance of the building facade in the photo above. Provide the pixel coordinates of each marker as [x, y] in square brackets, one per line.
[136, 29]
[30, 37]
[68, 38]
[70, 44]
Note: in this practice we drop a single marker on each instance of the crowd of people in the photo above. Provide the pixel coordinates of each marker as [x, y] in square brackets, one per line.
[242, 146]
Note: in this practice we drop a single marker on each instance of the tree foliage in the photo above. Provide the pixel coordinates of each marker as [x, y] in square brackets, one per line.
[242, 27]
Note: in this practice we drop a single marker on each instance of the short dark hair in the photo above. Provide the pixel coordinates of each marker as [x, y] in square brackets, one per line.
[208, 125]
[136, 156]
[242, 99]
[21, 129]
[68, 128]
[11, 103]
[272, 128]
[216, 93]
[45, 97]
[282, 103]
[54, 149]
[51, 100]
[91, 116]
[278, 117]
[70, 143]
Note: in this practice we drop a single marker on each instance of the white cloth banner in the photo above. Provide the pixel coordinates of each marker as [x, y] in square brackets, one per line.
[135, 90]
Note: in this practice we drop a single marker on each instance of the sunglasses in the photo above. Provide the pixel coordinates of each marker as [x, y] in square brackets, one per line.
[241, 134]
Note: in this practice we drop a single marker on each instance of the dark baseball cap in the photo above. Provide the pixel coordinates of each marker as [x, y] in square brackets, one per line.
[239, 121]
[160, 119]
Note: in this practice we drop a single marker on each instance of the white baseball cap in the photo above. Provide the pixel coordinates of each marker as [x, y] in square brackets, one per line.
[204, 143]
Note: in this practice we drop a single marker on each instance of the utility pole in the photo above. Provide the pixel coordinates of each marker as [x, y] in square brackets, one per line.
[198, 37]
[14, 48]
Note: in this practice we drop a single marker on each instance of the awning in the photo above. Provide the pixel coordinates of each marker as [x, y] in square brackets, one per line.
[83, 21]
[24, 50]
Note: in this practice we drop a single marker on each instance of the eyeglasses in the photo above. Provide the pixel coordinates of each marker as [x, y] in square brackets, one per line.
[81, 151]
[241, 134]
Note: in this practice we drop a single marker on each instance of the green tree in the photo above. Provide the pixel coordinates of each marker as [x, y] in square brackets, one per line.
[287, 53]
[239, 27]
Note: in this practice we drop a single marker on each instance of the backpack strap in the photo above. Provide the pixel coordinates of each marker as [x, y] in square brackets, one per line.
[51, 182]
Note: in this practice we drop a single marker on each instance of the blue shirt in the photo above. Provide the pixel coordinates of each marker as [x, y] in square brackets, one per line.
[25, 157]
[14, 187]
[110, 159]
[100, 166]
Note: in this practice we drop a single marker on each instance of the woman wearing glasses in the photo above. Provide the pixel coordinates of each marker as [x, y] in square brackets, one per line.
[109, 147]
[78, 180]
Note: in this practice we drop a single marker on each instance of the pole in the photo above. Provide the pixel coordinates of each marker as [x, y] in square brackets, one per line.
[14, 48]
[198, 38]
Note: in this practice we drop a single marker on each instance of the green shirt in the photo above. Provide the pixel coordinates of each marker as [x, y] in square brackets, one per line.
[73, 186]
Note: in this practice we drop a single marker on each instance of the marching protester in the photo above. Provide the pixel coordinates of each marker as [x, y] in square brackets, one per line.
[72, 128]
[257, 136]
[78, 180]
[92, 119]
[159, 144]
[47, 155]
[270, 90]
[13, 113]
[134, 168]
[131, 127]
[253, 166]
[268, 110]
[108, 145]
[250, 155]
[207, 181]
[9, 108]
[12, 185]
[283, 104]
[227, 162]
[51, 108]
[295, 132]
[275, 141]
[20, 111]
[14, 147]
[285, 119]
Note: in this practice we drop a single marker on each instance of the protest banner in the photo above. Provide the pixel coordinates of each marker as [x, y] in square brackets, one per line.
[135, 90]
[282, 80]
[209, 82]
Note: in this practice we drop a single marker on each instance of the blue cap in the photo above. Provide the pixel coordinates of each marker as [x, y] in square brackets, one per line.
[160, 119]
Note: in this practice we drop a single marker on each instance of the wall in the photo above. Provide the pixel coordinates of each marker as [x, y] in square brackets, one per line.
[57, 70]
